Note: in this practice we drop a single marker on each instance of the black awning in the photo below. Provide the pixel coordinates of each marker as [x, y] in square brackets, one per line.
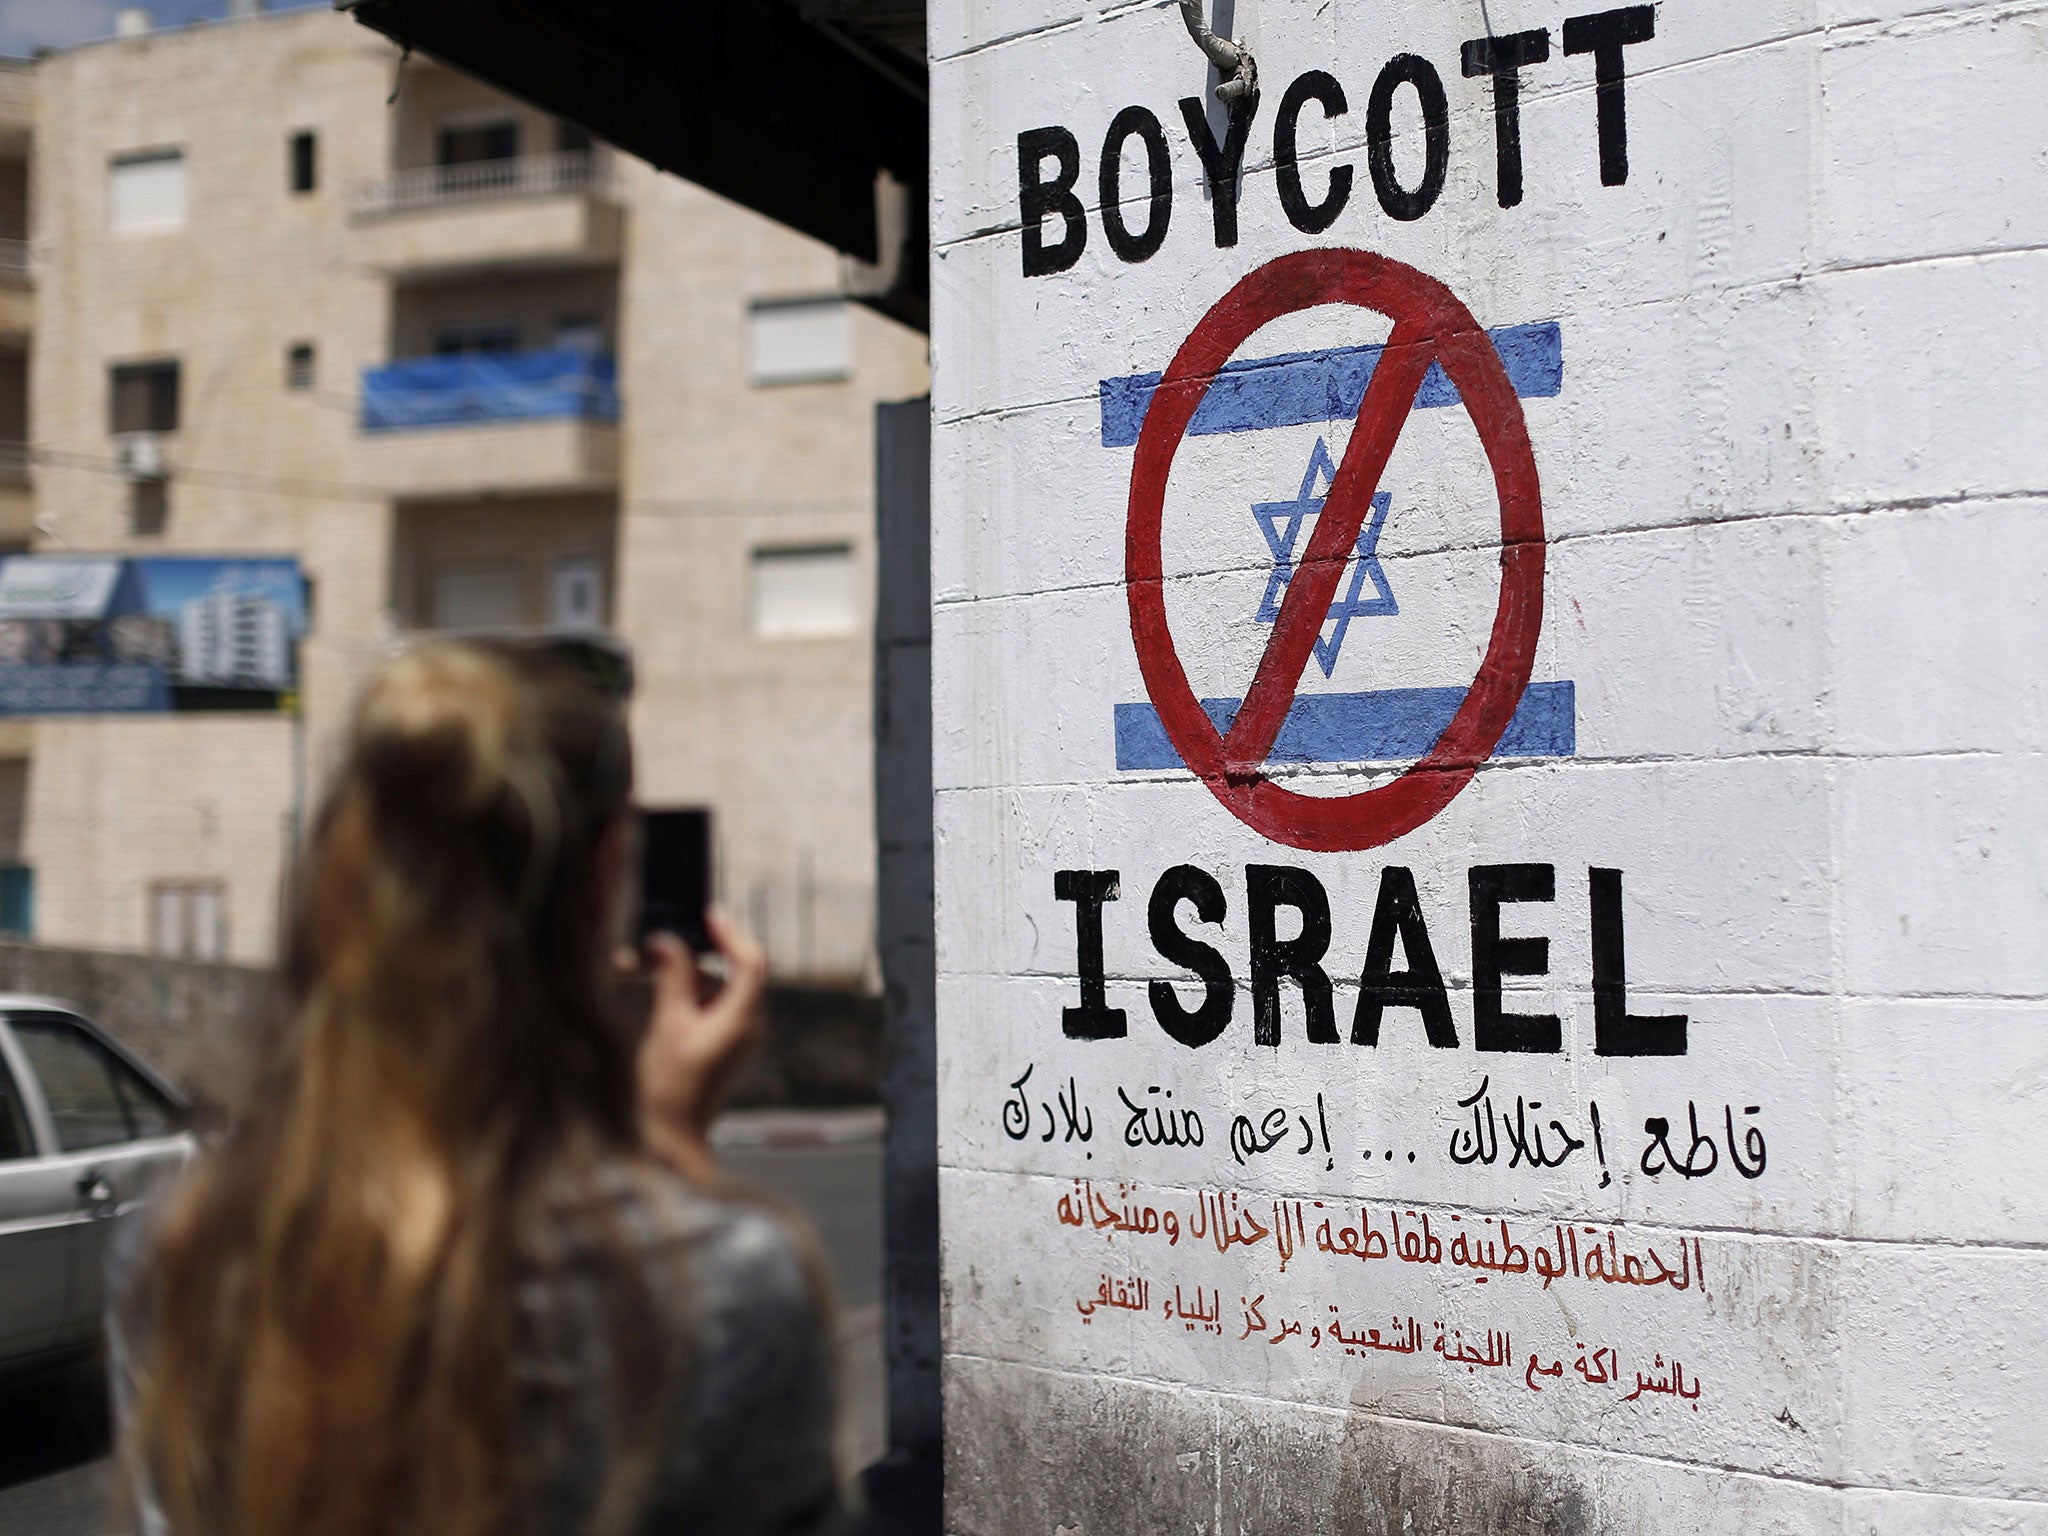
[791, 109]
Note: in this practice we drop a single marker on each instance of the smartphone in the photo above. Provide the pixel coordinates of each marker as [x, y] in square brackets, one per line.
[675, 875]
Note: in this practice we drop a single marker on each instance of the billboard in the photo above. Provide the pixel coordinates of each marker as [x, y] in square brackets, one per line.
[106, 634]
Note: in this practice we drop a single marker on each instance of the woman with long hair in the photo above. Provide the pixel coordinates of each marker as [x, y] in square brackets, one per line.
[463, 1263]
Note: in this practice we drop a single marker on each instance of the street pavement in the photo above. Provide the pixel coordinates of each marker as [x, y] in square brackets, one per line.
[56, 1478]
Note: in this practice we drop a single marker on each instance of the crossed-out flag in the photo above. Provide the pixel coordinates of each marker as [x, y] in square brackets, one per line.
[1302, 388]
[1282, 522]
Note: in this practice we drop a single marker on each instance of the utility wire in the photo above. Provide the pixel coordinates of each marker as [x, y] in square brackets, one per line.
[224, 479]
[307, 489]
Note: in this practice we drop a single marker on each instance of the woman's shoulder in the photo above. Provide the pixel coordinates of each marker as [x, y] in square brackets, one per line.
[722, 1277]
[639, 1210]
[737, 1324]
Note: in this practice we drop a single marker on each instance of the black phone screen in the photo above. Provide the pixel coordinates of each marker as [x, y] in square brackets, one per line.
[675, 875]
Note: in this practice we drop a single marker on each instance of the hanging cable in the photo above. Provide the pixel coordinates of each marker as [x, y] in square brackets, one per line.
[1229, 55]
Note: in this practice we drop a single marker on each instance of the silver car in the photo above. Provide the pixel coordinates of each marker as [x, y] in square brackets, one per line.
[89, 1135]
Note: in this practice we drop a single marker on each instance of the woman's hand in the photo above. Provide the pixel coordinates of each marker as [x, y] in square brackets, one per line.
[697, 1035]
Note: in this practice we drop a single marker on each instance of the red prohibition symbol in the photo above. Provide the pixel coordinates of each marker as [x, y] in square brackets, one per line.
[1430, 325]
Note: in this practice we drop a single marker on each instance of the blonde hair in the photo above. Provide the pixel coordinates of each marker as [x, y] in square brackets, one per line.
[329, 1311]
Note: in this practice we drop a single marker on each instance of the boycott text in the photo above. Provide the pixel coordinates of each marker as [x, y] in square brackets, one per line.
[1042, 196]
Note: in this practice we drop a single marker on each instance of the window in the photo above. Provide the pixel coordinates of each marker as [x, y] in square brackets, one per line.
[188, 920]
[95, 1099]
[467, 140]
[804, 593]
[77, 1082]
[584, 333]
[146, 192]
[573, 138]
[143, 397]
[15, 1141]
[149, 507]
[17, 880]
[799, 341]
[474, 594]
[298, 365]
[305, 161]
[17, 901]
[477, 336]
[149, 1112]
[576, 593]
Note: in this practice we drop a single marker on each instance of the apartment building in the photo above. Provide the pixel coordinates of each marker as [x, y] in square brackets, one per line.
[471, 370]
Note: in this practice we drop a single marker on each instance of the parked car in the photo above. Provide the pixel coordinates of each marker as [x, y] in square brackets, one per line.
[89, 1135]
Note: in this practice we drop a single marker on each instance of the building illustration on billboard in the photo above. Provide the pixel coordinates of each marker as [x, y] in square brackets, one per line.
[100, 634]
[235, 639]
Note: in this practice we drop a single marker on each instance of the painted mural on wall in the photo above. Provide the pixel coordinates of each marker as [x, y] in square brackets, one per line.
[1416, 910]
[106, 634]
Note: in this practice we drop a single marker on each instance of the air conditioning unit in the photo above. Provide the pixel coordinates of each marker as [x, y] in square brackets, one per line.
[139, 455]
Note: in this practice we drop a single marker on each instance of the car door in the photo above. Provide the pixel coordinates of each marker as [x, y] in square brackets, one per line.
[38, 1207]
[120, 1140]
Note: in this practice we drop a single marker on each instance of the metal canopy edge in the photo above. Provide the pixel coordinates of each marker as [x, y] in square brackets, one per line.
[796, 119]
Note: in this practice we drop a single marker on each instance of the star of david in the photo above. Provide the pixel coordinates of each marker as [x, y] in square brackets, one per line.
[1281, 522]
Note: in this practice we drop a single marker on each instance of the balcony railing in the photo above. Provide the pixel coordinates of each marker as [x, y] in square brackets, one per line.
[472, 387]
[484, 181]
[14, 258]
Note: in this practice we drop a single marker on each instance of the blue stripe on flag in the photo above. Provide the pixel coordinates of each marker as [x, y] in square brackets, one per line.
[1385, 725]
[1298, 387]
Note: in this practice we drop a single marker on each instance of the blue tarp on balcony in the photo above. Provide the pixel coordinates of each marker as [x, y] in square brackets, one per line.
[490, 386]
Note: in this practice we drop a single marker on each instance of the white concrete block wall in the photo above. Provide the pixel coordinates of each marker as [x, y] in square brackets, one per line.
[1792, 482]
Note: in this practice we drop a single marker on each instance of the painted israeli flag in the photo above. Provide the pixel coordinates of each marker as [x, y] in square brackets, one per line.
[1301, 388]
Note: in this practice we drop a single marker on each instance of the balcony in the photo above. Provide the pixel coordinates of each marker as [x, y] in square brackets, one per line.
[466, 387]
[526, 211]
[493, 423]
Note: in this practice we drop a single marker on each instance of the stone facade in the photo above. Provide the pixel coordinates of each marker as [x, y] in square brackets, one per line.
[453, 217]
